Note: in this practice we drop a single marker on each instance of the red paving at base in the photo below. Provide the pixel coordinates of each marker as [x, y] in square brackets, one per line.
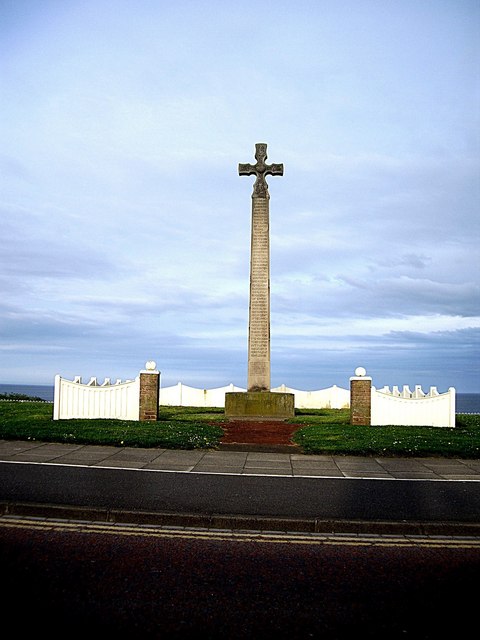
[258, 432]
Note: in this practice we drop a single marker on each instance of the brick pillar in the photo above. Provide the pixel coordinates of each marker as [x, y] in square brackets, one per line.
[149, 393]
[360, 398]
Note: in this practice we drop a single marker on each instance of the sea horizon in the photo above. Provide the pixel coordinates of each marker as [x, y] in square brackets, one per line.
[468, 402]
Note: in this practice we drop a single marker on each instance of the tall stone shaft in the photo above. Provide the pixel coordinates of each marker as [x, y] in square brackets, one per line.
[259, 307]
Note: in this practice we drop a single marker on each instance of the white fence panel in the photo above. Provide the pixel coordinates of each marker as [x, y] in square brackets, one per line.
[181, 395]
[413, 408]
[332, 398]
[73, 399]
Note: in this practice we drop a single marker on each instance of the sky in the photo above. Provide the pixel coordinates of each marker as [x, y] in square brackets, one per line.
[125, 227]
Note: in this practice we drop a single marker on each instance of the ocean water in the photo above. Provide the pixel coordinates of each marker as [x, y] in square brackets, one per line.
[465, 402]
[39, 391]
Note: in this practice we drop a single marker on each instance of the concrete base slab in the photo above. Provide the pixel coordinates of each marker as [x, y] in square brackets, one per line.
[259, 405]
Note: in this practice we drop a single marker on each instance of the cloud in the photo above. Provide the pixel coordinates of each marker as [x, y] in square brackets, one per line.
[126, 228]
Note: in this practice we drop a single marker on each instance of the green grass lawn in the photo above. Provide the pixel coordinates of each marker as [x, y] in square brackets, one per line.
[320, 431]
[329, 431]
[177, 429]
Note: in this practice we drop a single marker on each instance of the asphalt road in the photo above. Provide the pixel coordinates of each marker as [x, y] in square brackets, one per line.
[81, 580]
[255, 497]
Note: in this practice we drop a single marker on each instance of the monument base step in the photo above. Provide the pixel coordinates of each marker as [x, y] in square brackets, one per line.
[259, 405]
[259, 435]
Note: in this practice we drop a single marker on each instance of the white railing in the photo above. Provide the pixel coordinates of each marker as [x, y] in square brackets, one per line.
[181, 395]
[331, 398]
[72, 399]
[414, 408]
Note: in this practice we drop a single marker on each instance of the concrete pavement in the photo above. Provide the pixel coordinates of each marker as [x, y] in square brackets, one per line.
[241, 462]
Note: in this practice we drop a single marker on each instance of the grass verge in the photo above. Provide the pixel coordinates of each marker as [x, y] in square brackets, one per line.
[332, 434]
[320, 431]
[177, 429]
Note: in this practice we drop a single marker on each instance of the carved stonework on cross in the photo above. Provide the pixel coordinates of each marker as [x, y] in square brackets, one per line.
[260, 170]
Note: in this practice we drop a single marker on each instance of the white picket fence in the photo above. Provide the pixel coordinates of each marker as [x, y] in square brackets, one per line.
[414, 408]
[72, 399]
[181, 395]
[121, 400]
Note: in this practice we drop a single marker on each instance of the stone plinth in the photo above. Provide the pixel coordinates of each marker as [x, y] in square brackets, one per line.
[149, 395]
[259, 405]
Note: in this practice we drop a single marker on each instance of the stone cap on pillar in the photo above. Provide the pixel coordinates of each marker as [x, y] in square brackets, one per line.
[150, 367]
[360, 374]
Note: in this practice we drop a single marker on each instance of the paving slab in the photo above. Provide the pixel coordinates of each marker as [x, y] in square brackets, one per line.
[366, 474]
[29, 456]
[416, 475]
[314, 457]
[120, 464]
[41, 450]
[401, 464]
[370, 464]
[321, 472]
[182, 455]
[442, 462]
[224, 465]
[312, 464]
[230, 455]
[18, 445]
[267, 471]
[448, 470]
[168, 466]
[79, 462]
[268, 464]
[268, 456]
[132, 455]
[58, 448]
[218, 468]
[224, 459]
[472, 464]
[464, 476]
[83, 455]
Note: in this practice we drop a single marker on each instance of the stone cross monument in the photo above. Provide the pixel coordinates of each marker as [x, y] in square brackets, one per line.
[259, 309]
[259, 402]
